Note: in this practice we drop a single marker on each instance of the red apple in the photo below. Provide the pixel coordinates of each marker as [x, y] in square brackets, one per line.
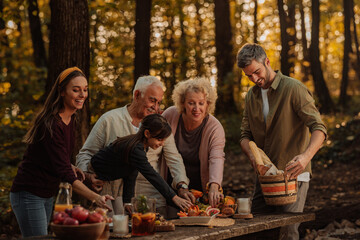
[59, 217]
[80, 213]
[69, 211]
[95, 217]
[70, 221]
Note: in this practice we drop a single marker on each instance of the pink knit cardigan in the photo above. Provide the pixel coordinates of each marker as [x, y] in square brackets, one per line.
[211, 151]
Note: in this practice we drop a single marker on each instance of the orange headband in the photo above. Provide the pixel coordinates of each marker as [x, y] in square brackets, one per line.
[66, 72]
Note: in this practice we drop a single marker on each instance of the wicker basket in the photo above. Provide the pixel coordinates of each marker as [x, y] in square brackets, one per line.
[277, 190]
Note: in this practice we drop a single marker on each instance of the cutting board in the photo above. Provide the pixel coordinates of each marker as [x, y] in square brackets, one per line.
[215, 222]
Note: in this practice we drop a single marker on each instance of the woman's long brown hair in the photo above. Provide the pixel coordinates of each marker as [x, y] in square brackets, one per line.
[53, 105]
[157, 126]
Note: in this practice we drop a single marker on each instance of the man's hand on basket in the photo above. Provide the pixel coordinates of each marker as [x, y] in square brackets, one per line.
[296, 166]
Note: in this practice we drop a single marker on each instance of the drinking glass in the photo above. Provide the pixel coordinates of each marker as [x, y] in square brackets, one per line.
[244, 206]
[120, 224]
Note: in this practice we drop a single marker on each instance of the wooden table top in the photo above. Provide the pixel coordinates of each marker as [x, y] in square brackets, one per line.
[241, 227]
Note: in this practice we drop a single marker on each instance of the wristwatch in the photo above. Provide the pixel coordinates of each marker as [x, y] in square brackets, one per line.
[183, 186]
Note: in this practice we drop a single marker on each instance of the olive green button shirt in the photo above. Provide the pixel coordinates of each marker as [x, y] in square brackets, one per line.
[292, 113]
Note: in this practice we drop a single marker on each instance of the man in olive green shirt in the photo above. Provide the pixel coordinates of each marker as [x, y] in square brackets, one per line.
[279, 115]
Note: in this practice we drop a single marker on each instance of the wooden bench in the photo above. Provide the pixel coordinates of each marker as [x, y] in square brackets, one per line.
[260, 227]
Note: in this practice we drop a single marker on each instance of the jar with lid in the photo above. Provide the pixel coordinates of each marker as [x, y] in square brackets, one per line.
[63, 199]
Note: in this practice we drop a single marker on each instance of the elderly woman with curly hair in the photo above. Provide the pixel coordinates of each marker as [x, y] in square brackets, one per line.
[199, 136]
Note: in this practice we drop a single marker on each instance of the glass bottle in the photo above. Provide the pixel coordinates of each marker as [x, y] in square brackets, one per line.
[63, 199]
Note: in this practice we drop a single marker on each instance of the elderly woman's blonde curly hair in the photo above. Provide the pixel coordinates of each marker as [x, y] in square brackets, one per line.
[194, 85]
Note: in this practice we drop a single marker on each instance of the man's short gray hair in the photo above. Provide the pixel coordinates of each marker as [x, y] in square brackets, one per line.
[248, 53]
[144, 82]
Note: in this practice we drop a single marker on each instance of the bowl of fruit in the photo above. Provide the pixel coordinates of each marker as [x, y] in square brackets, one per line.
[80, 223]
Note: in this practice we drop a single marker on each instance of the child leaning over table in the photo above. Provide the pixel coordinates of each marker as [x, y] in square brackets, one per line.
[126, 156]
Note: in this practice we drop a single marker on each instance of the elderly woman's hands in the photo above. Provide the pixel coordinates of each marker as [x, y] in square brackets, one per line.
[184, 193]
[183, 204]
[215, 196]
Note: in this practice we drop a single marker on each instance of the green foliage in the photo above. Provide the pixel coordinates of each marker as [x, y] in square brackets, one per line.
[231, 124]
[112, 43]
[12, 131]
[343, 143]
[142, 204]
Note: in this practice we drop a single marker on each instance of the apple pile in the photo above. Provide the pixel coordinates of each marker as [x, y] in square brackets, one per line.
[79, 215]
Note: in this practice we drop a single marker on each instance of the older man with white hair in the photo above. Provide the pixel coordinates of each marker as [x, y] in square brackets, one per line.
[147, 95]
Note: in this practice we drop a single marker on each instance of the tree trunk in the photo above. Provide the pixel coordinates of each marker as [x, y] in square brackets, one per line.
[347, 49]
[356, 41]
[170, 81]
[183, 43]
[321, 89]
[288, 37]
[36, 34]
[69, 46]
[224, 58]
[18, 23]
[4, 44]
[142, 38]
[292, 35]
[284, 40]
[305, 66]
[198, 58]
[238, 32]
[255, 21]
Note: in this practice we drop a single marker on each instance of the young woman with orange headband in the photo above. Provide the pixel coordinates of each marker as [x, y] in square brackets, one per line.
[46, 161]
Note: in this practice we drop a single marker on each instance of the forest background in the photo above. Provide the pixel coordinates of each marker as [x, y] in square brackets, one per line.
[115, 42]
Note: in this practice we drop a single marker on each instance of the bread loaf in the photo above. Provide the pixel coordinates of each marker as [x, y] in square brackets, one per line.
[262, 169]
[264, 157]
[256, 153]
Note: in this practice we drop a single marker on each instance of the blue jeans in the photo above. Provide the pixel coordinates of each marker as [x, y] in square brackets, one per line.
[33, 213]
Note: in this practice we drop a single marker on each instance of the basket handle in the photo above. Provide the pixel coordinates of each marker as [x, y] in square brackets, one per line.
[286, 182]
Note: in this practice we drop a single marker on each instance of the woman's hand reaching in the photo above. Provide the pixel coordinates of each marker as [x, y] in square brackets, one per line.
[183, 204]
[215, 196]
[101, 201]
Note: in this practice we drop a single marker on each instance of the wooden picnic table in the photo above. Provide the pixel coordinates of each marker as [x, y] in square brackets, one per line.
[260, 226]
[264, 226]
